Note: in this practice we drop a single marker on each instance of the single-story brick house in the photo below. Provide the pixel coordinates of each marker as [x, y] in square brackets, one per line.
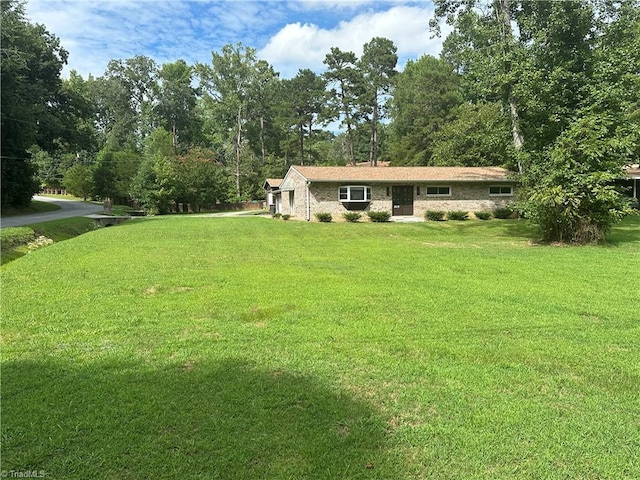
[403, 191]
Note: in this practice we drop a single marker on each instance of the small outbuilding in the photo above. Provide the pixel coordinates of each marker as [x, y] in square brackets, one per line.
[403, 191]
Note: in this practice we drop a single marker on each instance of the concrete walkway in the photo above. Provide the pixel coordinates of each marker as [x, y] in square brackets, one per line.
[68, 209]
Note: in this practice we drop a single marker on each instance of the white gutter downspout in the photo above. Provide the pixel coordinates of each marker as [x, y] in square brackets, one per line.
[308, 200]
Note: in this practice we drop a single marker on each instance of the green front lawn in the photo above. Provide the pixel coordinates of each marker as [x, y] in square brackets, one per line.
[245, 348]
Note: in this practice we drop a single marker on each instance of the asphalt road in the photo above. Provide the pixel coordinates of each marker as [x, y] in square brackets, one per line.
[68, 208]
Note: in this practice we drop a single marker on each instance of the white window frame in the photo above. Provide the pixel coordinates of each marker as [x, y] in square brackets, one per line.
[427, 194]
[501, 193]
[345, 190]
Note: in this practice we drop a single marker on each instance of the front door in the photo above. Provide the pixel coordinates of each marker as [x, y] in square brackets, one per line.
[402, 198]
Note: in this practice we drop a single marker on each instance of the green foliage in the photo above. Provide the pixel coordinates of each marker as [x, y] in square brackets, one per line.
[570, 192]
[434, 215]
[303, 102]
[477, 135]
[482, 215]
[568, 77]
[31, 62]
[78, 180]
[176, 104]
[458, 215]
[425, 95]
[286, 216]
[378, 66]
[200, 179]
[503, 213]
[277, 215]
[324, 217]
[379, 216]
[352, 216]
[345, 84]
[155, 185]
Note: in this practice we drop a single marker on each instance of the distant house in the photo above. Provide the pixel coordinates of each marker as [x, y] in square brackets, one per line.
[631, 184]
[403, 191]
[271, 187]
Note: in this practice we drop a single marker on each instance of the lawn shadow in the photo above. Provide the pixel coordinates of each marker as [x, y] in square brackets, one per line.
[230, 420]
[627, 231]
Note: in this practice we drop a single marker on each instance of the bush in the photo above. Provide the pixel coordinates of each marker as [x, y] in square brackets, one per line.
[380, 216]
[458, 215]
[324, 217]
[503, 213]
[277, 215]
[286, 216]
[434, 215]
[351, 216]
[482, 215]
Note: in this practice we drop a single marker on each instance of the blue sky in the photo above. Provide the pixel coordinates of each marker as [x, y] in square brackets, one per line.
[289, 34]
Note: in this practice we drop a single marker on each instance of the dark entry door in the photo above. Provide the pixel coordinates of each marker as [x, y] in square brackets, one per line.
[402, 198]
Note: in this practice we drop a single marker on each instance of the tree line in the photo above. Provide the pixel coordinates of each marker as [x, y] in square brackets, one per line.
[548, 89]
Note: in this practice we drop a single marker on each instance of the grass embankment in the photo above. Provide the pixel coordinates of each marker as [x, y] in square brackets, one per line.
[251, 348]
[16, 242]
[34, 207]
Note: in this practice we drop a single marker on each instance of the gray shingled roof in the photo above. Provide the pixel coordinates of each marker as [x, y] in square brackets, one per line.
[404, 174]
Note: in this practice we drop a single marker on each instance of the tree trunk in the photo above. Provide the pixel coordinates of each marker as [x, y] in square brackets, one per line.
[352, 158]
[238, 146]
[373, 151]
[502, 7]
[262, 147]
[301, 141]
[174, 139]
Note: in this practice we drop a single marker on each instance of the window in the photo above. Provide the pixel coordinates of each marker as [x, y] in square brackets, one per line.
[433, 191]
[501, 190]
[354, 193]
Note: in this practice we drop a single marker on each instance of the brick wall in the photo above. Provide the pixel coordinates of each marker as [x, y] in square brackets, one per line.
[464, 196]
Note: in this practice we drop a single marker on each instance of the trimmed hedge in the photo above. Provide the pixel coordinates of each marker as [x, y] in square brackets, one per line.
[434, 215]
[324, 217]
[379, 216]
[482, 215]
[503, 213]
[351, 216]
[458, 215]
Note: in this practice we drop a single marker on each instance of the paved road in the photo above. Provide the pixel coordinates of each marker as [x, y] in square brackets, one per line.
[68, 208]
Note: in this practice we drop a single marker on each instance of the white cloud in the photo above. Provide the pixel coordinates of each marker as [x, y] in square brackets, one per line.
[299, 45]
[295, 34]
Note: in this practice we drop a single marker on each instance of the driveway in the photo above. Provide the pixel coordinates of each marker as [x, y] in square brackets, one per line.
[68, 208]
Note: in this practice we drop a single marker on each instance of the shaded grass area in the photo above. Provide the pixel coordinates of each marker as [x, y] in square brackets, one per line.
[250, 348]
[34, 207]
[15, 240]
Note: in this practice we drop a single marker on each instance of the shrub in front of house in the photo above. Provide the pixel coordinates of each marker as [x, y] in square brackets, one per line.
[434, 215]
[458, 215]
[351, 216]
[286, 216]
[482, 215]
[324, 217]
[379, 216]
[277, 215]
[503, 213]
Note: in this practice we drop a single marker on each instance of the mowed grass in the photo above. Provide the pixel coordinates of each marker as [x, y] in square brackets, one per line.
[246, 348]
